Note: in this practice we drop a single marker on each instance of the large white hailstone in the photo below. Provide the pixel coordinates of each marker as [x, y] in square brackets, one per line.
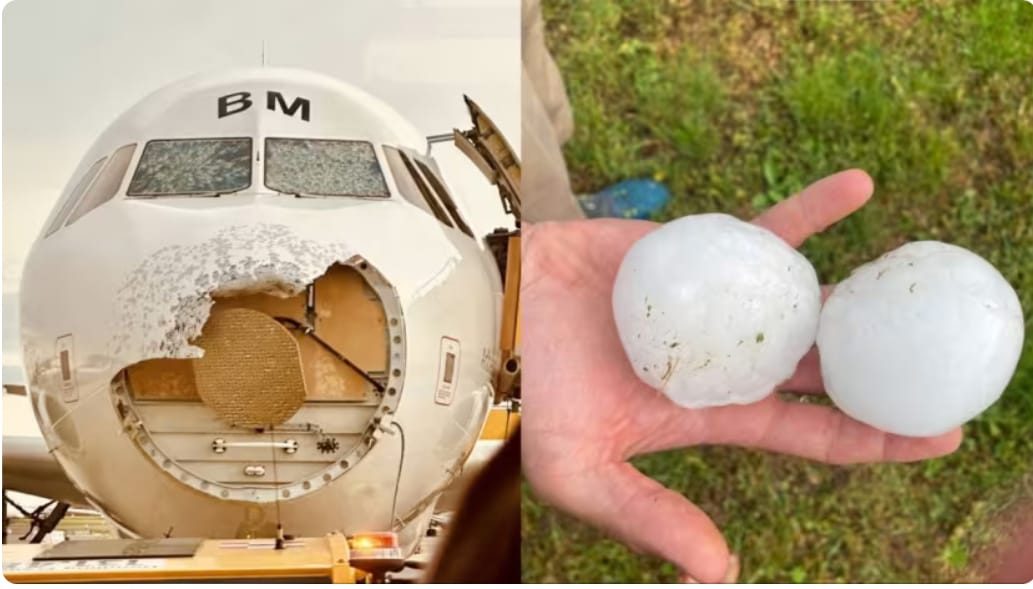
[921, 340]
[712, 310]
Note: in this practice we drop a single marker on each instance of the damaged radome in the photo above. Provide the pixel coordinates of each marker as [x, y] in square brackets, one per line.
[165, 302]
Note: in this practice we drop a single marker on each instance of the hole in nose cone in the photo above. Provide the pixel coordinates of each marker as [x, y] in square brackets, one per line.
[319, 363]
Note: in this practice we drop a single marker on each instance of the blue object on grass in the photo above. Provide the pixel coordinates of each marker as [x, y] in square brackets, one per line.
[629, 199]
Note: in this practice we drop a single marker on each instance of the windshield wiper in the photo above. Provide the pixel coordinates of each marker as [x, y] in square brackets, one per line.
[214, 193]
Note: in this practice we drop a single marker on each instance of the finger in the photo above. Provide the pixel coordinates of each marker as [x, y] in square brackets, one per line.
[731, 574]
[818, 433]
[819, 205]
[546, 247]
[807, 378]
[651, 518]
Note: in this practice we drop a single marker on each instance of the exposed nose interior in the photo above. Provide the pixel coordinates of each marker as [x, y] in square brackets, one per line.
[288, 391]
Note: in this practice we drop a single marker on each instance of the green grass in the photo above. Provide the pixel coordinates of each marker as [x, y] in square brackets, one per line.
[737, 105]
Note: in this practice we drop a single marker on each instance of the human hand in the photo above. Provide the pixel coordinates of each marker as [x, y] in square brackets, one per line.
[586, 413]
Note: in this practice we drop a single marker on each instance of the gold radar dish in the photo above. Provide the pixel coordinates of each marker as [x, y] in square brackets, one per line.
[251, 373]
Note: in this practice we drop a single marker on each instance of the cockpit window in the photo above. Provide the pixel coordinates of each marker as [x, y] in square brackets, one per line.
[321, 167]
[104, 188]
[73, 197]
[193, 167]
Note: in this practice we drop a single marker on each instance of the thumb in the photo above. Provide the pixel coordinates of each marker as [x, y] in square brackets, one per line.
[651, 518]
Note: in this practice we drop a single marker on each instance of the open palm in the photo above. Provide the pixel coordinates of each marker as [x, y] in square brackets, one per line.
[586, 413]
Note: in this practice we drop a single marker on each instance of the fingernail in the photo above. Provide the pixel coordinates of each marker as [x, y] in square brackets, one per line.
[689, 579]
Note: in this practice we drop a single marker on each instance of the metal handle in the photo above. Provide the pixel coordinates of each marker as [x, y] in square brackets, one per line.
[219, 445]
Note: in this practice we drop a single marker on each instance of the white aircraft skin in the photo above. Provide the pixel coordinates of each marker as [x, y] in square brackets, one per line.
[132, 280]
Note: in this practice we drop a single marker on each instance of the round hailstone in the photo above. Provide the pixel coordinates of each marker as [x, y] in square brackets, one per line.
[921, 340]
[712, 310]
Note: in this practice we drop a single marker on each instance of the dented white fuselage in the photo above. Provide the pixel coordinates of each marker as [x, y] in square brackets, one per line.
[245, 190]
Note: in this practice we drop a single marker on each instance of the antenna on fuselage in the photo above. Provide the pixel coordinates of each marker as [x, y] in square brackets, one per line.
[263, 52]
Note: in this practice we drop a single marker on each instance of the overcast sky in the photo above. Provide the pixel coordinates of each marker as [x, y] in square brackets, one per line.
[71, 67]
